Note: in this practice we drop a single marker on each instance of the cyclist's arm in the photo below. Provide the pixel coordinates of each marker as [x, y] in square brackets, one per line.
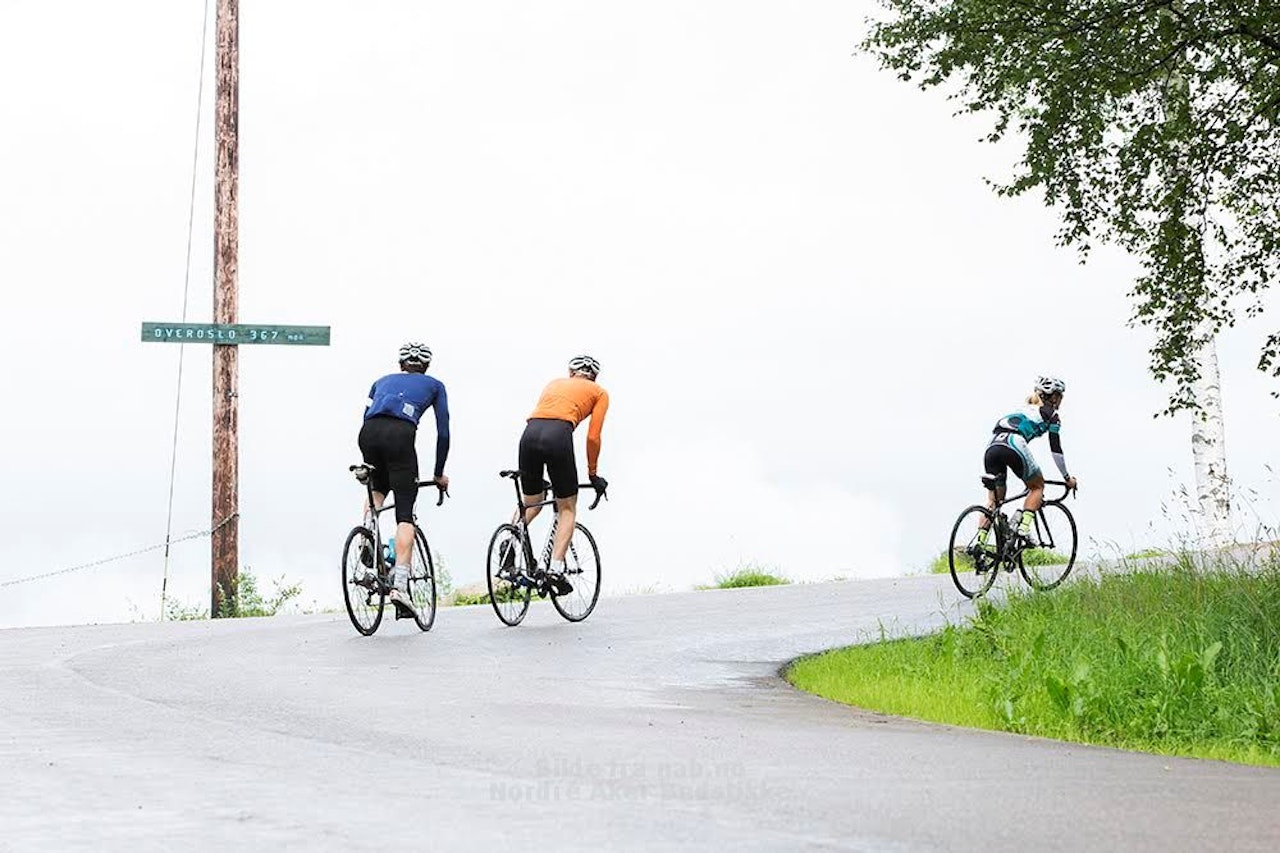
[593, 433]
[441, 407]
[1055, 449]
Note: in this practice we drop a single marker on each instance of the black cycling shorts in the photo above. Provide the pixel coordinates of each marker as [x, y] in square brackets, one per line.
[548, 443]
[1002, 457]
[387, 444]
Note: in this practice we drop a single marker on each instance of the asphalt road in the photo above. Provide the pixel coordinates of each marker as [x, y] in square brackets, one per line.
[660, 723]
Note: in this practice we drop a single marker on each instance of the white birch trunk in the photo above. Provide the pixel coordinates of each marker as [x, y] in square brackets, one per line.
[1208, 445]
[1209, 450]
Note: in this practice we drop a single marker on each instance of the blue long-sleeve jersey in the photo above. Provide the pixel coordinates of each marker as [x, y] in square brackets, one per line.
[408, 396]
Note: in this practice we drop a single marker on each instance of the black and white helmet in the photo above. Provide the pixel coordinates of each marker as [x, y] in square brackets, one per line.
[584, 364]
[415, 353]
[1050, 385]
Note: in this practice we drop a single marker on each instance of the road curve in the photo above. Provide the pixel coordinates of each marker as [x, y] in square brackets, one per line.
[658, 724]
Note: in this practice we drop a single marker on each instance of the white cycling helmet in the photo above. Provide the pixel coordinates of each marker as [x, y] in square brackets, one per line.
[1049, 385]
[416, 354]
[584, 364]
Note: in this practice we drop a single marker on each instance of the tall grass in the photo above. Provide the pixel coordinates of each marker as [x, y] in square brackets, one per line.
[1176, 660]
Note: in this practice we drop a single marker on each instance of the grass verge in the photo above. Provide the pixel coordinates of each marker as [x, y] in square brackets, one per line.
[747, 576]
[1176, 661]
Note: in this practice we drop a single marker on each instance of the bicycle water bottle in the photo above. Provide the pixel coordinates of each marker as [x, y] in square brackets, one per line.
[389, 552]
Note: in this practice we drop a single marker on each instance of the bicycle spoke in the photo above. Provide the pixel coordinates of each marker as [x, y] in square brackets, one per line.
[582, 571]
[972, 554]
[363, 593]
[422, 583]
[1047, 565]
[508, 575]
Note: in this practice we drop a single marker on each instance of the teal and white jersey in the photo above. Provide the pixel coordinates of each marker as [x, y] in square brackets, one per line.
[1030, 422]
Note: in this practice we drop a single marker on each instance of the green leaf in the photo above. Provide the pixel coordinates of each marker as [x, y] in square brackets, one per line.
[1058, 691]
[1155, 130]
[1080, 674]
[1209, 655]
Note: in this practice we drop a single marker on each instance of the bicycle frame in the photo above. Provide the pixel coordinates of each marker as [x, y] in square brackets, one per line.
[522, 525]
[1043, 534]
[372, 512]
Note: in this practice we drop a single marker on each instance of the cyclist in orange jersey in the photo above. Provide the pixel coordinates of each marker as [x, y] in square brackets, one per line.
[547, 444]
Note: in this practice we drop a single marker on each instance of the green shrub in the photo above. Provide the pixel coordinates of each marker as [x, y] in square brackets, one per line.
[748, 576]
[245, 599]
[1042, 557]
[461, 599]
[941, 565]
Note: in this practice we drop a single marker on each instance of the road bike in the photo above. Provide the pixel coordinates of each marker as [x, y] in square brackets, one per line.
[366, 567]
[513, 575]
[1044, 561]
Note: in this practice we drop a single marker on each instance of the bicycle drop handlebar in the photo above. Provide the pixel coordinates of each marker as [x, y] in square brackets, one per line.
[601, 494]
[444, 493]
[1066, 492]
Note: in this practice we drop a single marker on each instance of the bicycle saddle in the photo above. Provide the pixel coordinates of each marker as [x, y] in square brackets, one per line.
[512, 474]
[989, 481]
[361, 471]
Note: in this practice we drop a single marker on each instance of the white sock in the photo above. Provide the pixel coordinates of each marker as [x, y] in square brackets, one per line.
[557, 566]
[400, 578]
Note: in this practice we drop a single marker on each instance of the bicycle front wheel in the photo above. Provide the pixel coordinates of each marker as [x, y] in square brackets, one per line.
[1045, 567]
[974, 559]
[582, 571]
[363, 591]
[422, 582]
[508, 574]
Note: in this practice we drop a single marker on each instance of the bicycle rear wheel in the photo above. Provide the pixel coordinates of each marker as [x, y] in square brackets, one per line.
[422, 582]
[362, 589]
[974, 564]
[507, 575]
[1045, 567]
[582, 571]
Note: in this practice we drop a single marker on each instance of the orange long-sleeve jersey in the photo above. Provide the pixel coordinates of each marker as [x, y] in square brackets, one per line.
[574, 399]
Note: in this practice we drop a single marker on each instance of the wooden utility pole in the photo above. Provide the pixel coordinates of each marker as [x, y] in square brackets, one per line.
[226, 375]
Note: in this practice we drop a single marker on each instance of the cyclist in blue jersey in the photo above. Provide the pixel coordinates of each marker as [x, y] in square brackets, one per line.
[1008, 450]
[396, 403]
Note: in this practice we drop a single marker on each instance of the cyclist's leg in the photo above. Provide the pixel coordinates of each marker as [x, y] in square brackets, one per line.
[996, 464]
[401, 459]
[562, 469]
[532, 461]
[373, 453]
[1029, 472]
[1035, 493]
[566, 513]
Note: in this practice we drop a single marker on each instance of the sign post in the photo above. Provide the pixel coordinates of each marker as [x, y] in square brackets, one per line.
[234, 334]
[226, 375]
[225, 333]
[227, 338]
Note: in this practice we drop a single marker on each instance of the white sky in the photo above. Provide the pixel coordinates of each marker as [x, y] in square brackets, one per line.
[809, 307]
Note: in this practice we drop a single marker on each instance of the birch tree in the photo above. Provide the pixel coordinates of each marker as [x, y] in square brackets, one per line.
[1150, 124]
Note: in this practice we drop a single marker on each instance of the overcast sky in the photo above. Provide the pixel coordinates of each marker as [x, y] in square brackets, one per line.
[809, 307]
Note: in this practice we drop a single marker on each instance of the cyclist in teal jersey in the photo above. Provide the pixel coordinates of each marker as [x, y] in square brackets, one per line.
[1008, 450]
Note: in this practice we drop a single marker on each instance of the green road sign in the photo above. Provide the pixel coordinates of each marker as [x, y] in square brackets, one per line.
[234, 333]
